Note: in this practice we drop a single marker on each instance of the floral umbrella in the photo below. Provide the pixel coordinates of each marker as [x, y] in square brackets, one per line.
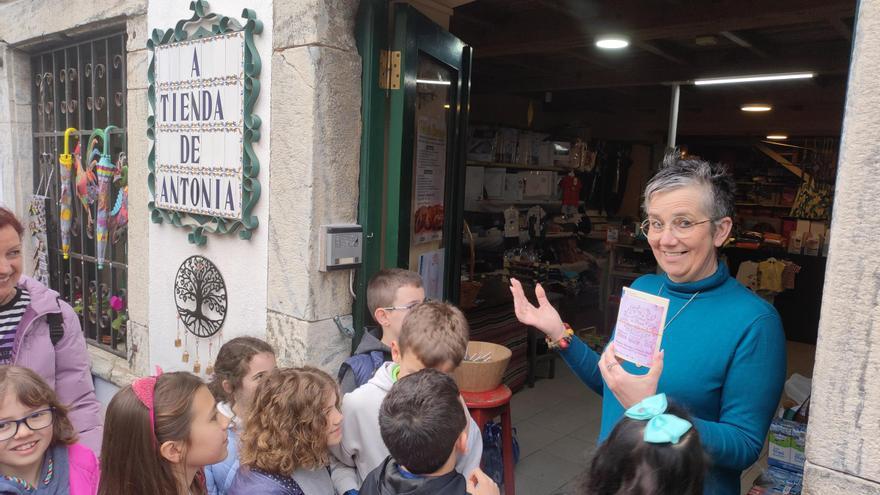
[66, 199]
[105, 170]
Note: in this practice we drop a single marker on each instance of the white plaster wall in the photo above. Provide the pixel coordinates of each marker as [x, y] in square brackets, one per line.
[242, 263]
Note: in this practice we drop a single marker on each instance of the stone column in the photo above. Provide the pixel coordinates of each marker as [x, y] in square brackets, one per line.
[316, 128]
[16, 145]
[137, 105]
[843, 439]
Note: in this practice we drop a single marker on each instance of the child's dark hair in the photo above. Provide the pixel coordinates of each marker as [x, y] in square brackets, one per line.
[232, 364]
[420, 420]
[626, 464]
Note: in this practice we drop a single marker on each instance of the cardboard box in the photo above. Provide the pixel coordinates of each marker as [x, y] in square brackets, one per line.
[493, 182]
[539, 185]
[481, 145]
[513, 187]
[779, 439]
[786, 441]
[561, 153]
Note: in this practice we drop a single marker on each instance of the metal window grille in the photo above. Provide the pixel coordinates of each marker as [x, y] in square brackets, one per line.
[82, 85]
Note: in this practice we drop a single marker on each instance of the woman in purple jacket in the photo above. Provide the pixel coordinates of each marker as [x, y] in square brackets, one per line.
[27, 311]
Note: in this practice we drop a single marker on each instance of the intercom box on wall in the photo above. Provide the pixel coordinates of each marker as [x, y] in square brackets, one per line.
[341, 246]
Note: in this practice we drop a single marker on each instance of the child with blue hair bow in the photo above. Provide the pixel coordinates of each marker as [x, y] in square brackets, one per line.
[653, 450]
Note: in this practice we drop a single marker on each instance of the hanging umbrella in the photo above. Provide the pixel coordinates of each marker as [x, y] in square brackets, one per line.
[105, 170]
[66, 214]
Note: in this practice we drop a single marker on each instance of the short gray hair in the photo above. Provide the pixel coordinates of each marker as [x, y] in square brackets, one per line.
[676, 172]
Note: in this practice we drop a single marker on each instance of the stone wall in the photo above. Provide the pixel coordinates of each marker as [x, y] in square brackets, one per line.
[843, 439]
[316, 128]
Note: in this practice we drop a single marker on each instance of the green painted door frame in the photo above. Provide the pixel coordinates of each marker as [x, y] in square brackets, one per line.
[372, 37]
[388, 131]
[414, 34]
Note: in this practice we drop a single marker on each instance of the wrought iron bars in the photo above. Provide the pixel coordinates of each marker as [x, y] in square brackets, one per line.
[83, 85]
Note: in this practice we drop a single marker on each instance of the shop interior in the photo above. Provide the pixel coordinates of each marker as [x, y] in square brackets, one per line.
[573, 106]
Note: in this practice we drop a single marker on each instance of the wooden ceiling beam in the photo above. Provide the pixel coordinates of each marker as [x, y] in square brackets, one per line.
[824, 59]
[729, 17]
[741, 41]
[654, 49]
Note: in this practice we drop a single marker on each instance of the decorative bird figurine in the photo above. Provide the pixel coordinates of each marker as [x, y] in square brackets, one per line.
[86, 182]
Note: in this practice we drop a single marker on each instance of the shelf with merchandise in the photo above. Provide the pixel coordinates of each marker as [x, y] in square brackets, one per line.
[517, 166]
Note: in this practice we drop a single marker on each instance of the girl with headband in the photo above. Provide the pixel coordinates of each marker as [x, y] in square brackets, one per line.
[159, 434]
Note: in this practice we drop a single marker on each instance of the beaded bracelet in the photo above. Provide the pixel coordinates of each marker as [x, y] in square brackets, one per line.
[564, 341]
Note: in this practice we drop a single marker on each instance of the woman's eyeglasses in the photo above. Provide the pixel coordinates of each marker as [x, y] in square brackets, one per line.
[35, 421]
[682, 227]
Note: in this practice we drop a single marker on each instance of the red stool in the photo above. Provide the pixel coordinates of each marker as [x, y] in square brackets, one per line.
[485, 406]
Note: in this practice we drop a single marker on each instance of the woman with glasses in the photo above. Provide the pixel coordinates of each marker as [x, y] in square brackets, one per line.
[38, 449]
[723, 348]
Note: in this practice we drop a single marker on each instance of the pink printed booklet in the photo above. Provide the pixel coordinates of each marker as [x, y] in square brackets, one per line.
[640, 323]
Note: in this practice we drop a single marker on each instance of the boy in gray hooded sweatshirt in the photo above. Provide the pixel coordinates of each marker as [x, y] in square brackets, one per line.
[433, 335]
[424, 424]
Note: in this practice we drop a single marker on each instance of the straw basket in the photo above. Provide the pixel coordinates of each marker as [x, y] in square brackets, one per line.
[474, 376]
[469, 288]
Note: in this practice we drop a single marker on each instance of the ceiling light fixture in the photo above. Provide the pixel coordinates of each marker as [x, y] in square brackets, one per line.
[756, 107]
[756, 78]
[612, 42]
[436, 82]
[777, 137]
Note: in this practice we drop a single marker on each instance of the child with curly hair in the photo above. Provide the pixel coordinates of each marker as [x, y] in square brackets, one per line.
[293, 420]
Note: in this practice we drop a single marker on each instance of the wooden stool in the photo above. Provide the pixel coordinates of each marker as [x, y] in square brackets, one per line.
[484, 407]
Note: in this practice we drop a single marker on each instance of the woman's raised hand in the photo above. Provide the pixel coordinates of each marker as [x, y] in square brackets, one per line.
[544, 316]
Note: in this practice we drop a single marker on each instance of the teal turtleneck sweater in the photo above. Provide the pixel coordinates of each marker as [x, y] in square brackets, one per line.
[724, 361]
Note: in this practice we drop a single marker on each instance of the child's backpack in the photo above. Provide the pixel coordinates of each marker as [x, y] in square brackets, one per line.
[363, 366]
[493, 461]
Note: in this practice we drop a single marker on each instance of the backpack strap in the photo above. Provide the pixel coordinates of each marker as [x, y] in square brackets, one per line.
[56, 326]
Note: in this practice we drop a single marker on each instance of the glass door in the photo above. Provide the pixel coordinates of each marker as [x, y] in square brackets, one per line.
[426, 150]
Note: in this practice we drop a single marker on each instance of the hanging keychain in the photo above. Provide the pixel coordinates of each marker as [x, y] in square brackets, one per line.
[198, 366]
[186, 345]
[210, 369]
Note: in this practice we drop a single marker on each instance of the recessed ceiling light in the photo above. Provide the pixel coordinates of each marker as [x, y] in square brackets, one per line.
[777, 137]
[755, 78]
[612, 42]
[756, 107]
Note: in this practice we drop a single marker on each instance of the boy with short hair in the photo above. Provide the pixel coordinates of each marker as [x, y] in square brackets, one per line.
[391, 293]
[433, 335]
[424, 424]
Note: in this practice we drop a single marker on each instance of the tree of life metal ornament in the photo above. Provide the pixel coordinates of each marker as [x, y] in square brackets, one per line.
[200, 296]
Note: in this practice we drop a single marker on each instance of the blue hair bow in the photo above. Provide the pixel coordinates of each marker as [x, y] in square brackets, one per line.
[661, 427]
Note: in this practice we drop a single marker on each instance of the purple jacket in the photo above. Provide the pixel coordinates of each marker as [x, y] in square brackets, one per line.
[66, 366]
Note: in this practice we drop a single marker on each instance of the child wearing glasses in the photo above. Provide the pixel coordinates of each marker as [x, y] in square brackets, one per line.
[38, 449]
[433, 335]
[391, 294]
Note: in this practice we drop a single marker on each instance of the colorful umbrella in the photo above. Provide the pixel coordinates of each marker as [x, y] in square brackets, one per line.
[66, 215]
[105, 170]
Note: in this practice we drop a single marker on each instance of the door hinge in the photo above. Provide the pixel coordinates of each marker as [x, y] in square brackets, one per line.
[389, 64]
